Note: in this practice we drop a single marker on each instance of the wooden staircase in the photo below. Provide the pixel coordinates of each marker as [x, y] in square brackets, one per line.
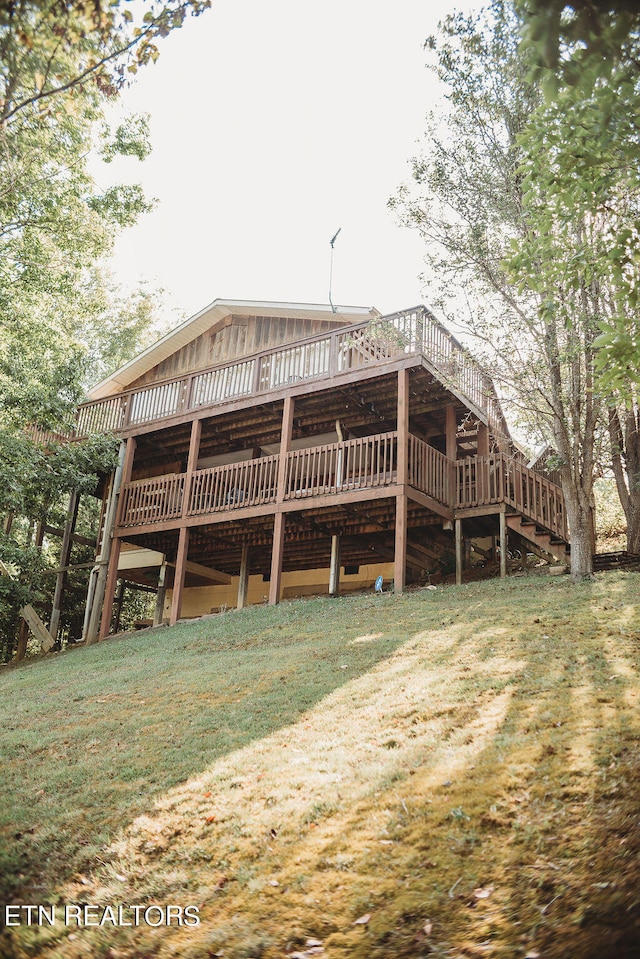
[541, 539]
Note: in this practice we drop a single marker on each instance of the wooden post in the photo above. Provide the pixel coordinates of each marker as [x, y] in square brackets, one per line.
[334, 569]
[403, 426]
[23, 636]
[400, 551]
[483, 440]
[161, 594]
[192, 463]
[110, 588]
[178, 581]
[503, 544]
[277, 550]
[243, 583]
[458, 552]
[65, 556]
[285, 443]
[451, 429]
[97, 591]
[118, 605]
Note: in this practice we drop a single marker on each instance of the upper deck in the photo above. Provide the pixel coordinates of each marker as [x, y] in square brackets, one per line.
[337, 354]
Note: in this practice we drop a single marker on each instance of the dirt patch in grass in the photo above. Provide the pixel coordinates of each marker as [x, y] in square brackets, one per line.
[461, 780]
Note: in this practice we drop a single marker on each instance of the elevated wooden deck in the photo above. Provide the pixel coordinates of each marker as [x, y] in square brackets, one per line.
[335, 354]
[341, 472]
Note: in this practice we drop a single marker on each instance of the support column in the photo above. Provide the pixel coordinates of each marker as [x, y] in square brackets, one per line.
[466, 543]
[403, 426]
[178, 582]
[23, 636]
[65, 556]
[161, 594]
[334, 568]
[110, 555]
[483, 440]
[118, 605]
[400, 546]
[243, 583]
[97, 590]
[276, 559]
[458, 525]
[400, 551]
[192, 462]
[110, 588]
[503, 544]
[279, 519]
[451, 429]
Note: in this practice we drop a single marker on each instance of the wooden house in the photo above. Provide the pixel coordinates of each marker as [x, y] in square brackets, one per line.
[278, 449]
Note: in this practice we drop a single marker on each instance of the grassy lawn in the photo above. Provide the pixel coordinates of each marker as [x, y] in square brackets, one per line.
[450, 773]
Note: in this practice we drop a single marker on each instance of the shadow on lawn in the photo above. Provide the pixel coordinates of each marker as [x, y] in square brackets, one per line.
[501, 818]
[93, 736]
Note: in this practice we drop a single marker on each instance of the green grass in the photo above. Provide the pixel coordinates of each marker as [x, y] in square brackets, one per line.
[462, 765]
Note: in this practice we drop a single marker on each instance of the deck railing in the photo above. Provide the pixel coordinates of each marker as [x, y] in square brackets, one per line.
[217, 488]
[152, 500]
[341, 350]
[363, 463]
[360, 463]
[488, 480]
[430, 471]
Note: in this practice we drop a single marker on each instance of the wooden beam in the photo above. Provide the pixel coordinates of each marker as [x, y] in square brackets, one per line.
[483, 440]
[285, 445]
[215, 575]
[277, 552]
[161, 594]
[400, 557]
[178, 582]
[403, 426]
[458, 525]
[105, 587]
[503, 544]
[75, 537]
[243, 582]
[34, 622]
[65, 555]
[334, 568]
[450, 433]
[110, 588]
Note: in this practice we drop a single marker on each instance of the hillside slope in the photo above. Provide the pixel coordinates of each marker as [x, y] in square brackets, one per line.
[449, 773]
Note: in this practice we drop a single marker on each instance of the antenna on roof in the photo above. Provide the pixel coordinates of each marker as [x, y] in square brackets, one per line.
[332, 241]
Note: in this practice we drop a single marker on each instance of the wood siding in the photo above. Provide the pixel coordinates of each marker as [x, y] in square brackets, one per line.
[238, 336]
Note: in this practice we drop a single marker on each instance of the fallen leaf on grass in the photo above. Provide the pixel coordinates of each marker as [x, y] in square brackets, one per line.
[483, 893]
[428, 926]
[363, 920]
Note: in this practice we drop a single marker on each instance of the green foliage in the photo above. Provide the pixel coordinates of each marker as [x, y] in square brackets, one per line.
[62, 324]
[88, 44]
[567, 39]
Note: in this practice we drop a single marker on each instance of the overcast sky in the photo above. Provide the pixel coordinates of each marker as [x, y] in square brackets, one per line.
[273, 124]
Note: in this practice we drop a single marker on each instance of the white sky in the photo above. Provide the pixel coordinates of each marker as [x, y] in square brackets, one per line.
[273, 124]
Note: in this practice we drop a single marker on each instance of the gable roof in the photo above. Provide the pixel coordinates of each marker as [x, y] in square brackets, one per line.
[213, 316]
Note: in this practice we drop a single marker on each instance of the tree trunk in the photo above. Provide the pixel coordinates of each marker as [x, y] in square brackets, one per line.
[633, 527]
[625, 459]
[581, 523]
